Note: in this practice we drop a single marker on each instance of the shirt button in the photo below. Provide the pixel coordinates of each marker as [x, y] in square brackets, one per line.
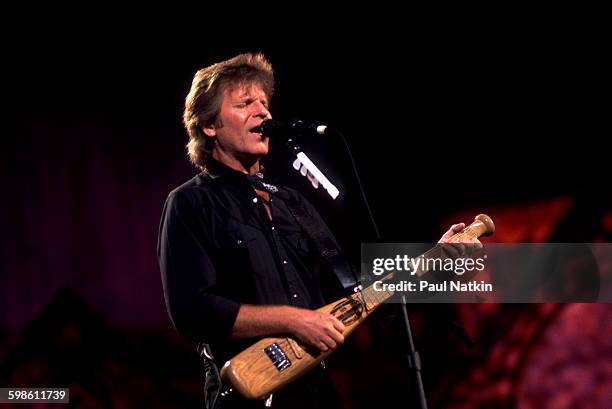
[272, 227]
[254, 200]
[295, 295]
[238, 241]
[284, 261]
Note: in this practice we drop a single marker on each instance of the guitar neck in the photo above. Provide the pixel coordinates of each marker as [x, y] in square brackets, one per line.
[482, 226]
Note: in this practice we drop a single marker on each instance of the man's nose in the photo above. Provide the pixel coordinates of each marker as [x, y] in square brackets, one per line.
[262, 111]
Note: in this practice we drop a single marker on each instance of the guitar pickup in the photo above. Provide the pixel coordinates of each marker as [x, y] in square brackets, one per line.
[277, 356]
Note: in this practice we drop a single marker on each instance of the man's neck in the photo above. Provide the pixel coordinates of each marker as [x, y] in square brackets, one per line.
[248, 166]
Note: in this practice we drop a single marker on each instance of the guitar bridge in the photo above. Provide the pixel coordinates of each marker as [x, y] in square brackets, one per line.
[277, 356]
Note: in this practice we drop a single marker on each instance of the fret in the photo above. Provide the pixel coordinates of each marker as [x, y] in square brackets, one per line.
[372, 296]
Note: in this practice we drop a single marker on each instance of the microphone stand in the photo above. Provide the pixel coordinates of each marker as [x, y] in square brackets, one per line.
[414, 360]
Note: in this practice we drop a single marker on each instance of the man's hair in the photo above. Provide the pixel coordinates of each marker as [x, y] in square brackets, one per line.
[203, 102]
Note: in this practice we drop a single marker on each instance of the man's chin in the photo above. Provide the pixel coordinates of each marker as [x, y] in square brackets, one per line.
[255, 155]
[262, 148]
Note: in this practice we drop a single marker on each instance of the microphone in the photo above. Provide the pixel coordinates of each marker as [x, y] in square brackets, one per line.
[273, 128]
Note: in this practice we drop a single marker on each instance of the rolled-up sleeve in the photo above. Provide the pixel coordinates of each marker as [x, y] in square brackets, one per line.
[188, 274]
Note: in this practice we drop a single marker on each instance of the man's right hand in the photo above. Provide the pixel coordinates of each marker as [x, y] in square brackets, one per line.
[321, 330]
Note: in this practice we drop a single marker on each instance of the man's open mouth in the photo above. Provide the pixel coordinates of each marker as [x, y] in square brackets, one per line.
[256, 130]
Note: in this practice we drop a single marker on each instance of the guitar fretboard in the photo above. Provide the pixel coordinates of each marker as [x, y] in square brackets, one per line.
[374, 298]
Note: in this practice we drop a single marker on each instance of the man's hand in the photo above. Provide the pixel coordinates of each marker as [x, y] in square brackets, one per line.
[323, 331]
[466, 246]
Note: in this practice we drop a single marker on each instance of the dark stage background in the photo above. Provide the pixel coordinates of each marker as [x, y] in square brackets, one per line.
[441, 130]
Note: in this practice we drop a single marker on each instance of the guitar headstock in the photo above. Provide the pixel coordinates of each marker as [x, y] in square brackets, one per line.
[481, 226]
[489, 226]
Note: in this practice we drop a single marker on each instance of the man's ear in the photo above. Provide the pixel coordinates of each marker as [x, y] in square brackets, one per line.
[209, 129]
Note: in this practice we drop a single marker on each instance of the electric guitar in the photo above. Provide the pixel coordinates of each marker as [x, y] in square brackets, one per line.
[272, 363]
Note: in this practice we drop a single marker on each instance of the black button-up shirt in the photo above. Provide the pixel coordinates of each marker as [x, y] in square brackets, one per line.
[218, 249]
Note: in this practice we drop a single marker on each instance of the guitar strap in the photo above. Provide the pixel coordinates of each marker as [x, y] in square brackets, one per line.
[326, 246]
[212, 379]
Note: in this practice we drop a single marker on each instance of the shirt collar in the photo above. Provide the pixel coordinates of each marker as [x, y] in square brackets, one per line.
[215, 169]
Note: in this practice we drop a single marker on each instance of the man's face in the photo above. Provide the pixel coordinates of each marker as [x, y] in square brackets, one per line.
[244, 107]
